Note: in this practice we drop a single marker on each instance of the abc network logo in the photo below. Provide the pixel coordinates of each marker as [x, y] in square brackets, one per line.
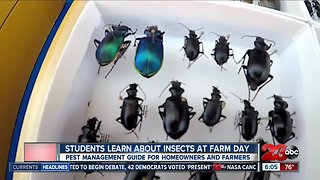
[279, 152]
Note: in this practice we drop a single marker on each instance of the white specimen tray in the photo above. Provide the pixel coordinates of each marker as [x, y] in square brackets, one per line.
[68, 79]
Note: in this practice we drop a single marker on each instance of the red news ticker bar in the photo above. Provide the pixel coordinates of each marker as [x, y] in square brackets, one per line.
[289, 166]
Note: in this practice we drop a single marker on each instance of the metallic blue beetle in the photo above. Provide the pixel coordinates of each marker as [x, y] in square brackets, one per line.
[149, 55]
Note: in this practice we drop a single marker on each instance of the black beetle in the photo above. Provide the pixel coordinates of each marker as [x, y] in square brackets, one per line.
[175, 112]
[316, 6]
[89, 135]
[309, 7]
[89, 132]
[203, 175]
[260, 175]
[192, 45]
[221, 52]
[113, 45]
[212, 113]
[280, 123]
[131, 109]
[257, 70]
[141, 175]
[247, 121]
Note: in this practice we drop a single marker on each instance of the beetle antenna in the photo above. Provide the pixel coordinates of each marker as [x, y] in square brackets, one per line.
[215, 34]
[165, 88]
[274, 43]
[120, 97]
[248, 36]
[120, 23]
[185, 26]
[270, 97]
[223, 95]
[241, 100]
[286, 97]
[145, 96]
[199, 29]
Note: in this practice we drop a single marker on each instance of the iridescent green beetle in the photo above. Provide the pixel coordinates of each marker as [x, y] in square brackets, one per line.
[113, 45]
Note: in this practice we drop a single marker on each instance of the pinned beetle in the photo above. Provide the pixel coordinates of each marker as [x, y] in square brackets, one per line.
[131, 109]
[212, 113]
[192, 45]
[221, 52]
[175, 112]
[257, 70]
[149, 55]
[263, 175]
[89, 135]
[141, 175]
[203, 176]
[113, 45]
[247, 121]
[316, 6]
[280, 123]
[89, 132]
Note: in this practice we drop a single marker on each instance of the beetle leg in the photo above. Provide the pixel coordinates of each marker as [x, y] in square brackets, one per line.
[271, 62]
[202, 52]
[100, 172]
[223, 117]
[118, 120]
[140, 121]
[190, 108]
[223, 104]
[271, 77]
[156, 177]
[239, 134]
[232, 55]
[96, 42]
[200, 118]
[245, 174]
[99, 69]
[247, 78]
[167, 138]
[275, 51]
[106, 31]
[195, 60]
[184, 44]
[205, 101]
[191, 115]
[135, 41]
[292, 135]
[243, 58]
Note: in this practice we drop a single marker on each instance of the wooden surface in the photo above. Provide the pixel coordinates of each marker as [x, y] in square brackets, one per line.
[22, 36]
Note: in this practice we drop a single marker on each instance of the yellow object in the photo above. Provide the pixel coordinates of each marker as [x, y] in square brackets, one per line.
[46, 75]
[21, 38]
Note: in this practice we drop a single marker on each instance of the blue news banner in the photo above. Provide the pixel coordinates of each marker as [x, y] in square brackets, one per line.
[149, 156]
